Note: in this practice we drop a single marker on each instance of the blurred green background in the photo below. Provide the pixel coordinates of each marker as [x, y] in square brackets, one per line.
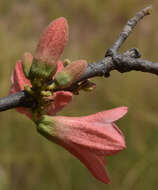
[30, 162]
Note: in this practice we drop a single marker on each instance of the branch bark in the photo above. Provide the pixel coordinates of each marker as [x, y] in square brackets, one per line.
[125, 62]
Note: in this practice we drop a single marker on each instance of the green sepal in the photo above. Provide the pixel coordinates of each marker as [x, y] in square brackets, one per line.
[45, 125]
[41, 70]
[63, 79]
[26, 69]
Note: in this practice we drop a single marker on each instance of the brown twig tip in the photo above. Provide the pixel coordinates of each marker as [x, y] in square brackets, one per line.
[141, 14]
[148, 10]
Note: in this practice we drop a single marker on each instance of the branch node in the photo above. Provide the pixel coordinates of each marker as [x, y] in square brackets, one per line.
[133, 53]
[109, 53]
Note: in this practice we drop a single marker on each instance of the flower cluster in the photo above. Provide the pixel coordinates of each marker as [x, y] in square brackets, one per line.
[89, 138]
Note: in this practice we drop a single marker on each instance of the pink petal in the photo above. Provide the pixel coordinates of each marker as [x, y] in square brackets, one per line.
[61, 99]
[52, 41]
[95, 164]
[24, 111]
[18, 78]
[107, 116]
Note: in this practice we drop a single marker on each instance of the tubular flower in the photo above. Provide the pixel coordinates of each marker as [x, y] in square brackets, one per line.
[89, 138]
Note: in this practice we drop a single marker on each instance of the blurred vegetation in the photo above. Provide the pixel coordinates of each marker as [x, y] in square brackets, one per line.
[30, 162]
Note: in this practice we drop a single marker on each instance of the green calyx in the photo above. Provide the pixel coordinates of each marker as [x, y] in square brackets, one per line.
[45, 125]
[40, 94]
[26, 69]
[39, 74]
[63, 79]
[42, 71]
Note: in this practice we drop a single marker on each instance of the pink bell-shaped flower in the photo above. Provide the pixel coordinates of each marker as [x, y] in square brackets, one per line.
[89, 138]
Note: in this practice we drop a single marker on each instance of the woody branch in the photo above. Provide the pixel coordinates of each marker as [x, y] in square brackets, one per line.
[124, 62]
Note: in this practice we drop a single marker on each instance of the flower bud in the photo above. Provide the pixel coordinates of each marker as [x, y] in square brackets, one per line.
[70, 73]
[26, 63]
[49, 49]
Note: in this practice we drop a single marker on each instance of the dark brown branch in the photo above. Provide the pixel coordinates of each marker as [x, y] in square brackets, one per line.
[16, 100]
[125, 62]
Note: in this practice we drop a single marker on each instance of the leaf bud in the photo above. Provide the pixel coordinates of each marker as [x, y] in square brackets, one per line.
[71, 73]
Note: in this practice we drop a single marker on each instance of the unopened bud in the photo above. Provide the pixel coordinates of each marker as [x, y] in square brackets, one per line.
[49, 49]
[26, 63]
[70, 73]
